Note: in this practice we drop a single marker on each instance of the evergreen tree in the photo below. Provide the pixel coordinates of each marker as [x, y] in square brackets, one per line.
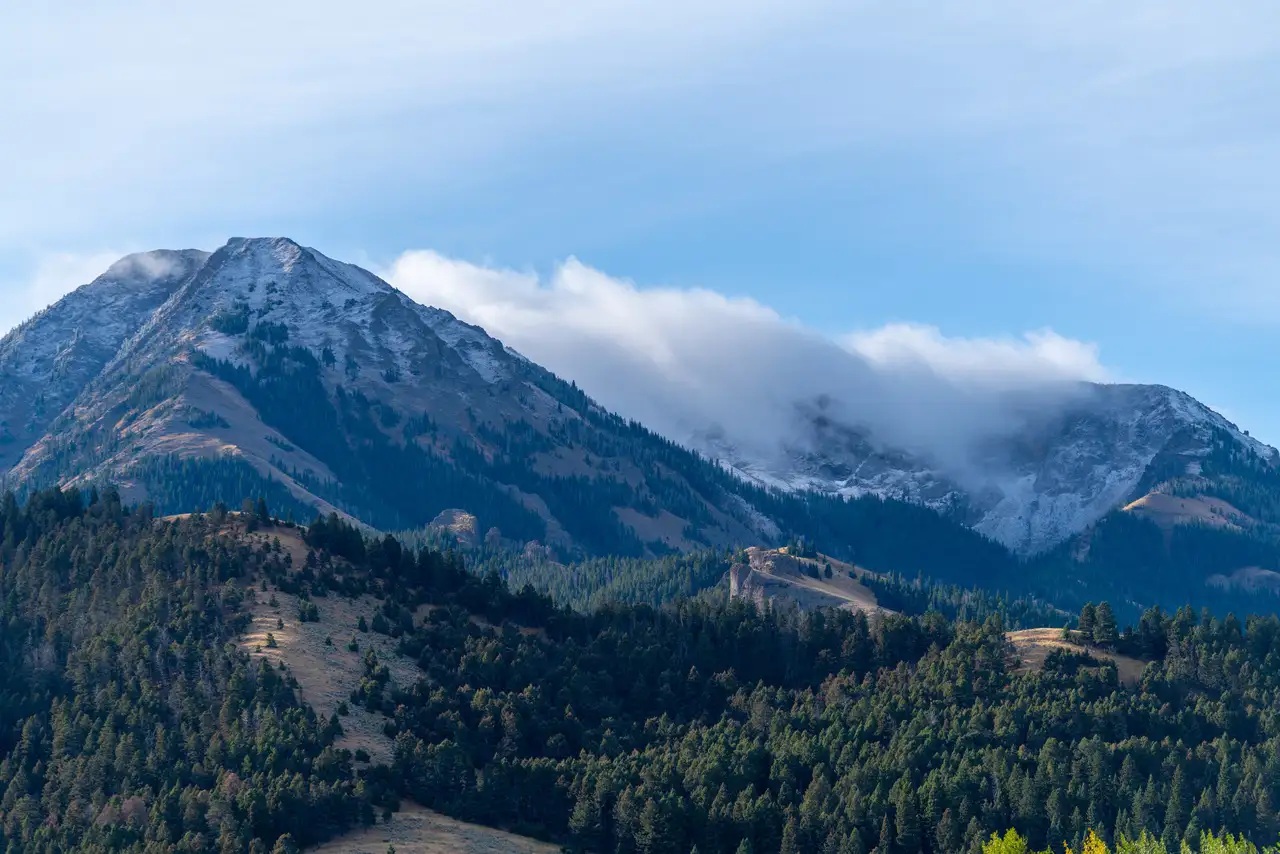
[1104, 628]
[1175, 813]
[1088, 616]
[653, 836]
[790, 836]
[947, 834]
[907, 819]
[885, 845]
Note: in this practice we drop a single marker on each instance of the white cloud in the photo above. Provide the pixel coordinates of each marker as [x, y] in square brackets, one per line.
[1036, 358]
[689, 362]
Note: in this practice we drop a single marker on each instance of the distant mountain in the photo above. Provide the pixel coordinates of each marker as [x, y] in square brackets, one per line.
[1067, 464]
[268, 368]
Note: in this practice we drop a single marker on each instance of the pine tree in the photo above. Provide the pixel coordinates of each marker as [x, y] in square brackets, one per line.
[1204, 814]
[790, 837]
[1175, 813]
[1055, 817]
[972, 835]
[584, 822]
[653, 836]
[1104, 628]
[885, 845]
[907, 823]
[947, 835]
[1088, 615]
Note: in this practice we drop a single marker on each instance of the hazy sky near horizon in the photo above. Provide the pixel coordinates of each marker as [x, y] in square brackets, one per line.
[1081, 189]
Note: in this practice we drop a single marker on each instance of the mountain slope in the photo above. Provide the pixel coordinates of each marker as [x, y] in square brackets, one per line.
[46, 362]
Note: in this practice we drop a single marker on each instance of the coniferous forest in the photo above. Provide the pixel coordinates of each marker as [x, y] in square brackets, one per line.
[131, 721]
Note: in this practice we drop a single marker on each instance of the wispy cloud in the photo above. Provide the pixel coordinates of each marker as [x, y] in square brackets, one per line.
[690, 363]
[1038, 357]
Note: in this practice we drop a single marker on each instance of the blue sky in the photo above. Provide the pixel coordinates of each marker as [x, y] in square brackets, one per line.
[989, 168]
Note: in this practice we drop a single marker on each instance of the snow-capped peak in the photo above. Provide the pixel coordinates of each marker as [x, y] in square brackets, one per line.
[326, 305]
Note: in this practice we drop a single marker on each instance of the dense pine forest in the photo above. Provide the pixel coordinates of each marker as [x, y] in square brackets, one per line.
[131, 721]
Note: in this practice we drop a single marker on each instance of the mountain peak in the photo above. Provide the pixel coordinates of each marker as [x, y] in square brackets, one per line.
[280, 250]
[273, 369]
[279, 241]
[281, 265]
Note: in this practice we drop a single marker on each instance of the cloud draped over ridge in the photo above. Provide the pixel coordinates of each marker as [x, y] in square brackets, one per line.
[694, 362]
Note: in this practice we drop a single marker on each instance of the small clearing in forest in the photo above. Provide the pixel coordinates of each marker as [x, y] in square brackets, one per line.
[1032, 647]
[417, 830]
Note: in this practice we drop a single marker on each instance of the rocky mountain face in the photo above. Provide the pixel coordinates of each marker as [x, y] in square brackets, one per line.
[48, 361]
[267, 367]
[1064, 467]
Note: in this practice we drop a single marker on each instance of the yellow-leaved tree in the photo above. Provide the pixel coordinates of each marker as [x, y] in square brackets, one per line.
[1013, 843]
[1093, 844]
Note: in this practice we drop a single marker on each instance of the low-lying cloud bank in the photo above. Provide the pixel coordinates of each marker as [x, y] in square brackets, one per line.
[693, 363]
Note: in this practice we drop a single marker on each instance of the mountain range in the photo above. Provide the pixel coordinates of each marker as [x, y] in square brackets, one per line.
[266, 368]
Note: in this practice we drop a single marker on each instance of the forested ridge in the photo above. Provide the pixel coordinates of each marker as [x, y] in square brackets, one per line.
[130, 721]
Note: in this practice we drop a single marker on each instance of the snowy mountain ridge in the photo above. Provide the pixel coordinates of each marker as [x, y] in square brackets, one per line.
[324, 303]
[1029, 489]
[156, 309]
